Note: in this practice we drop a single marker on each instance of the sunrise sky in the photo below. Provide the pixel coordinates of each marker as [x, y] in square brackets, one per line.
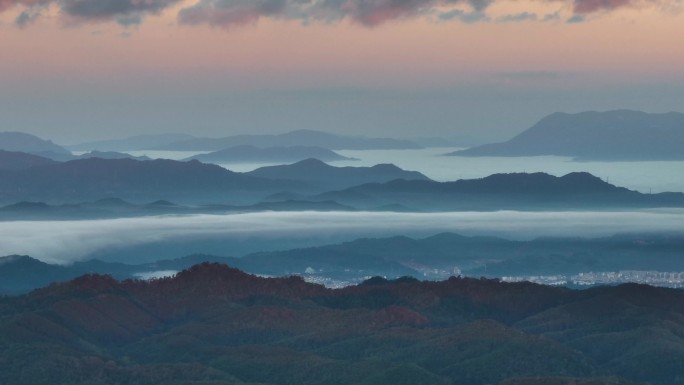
[75, 70]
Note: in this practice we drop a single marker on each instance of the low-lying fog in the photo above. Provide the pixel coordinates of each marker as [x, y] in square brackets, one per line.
[237, 234]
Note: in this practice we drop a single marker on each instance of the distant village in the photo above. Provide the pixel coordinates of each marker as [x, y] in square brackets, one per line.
[653, 278]
[673, 280]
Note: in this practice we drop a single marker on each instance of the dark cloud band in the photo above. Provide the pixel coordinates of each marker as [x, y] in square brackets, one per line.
[107, 9]
[90, 10]
[590, 6]
[370, 13]
[230, 13]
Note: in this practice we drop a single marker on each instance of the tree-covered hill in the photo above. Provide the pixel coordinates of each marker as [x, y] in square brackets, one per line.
[213, 324]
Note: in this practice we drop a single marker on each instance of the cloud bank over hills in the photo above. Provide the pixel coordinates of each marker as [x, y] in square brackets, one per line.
[66, 241]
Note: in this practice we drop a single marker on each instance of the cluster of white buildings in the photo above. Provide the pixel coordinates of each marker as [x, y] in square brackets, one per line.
[653, 278]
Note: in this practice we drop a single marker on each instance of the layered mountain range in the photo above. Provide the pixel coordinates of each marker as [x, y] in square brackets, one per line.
[27, 178]
[187, 182]
[337, 312]
[619, 135]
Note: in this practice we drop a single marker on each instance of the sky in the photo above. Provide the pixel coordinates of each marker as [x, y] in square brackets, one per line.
[78, 70]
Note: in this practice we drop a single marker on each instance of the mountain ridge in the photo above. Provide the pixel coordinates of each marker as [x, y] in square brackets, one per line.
[253, 154]
[22, 142]
[215, 323]
[617, 135]
[292, 138]
[95, 178]
[318, 173]
[131, 143]
[16, 160]
[526, 191]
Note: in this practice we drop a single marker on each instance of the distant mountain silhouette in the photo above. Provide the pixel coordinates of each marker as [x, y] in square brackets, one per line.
[118, 208]
[214, 324]
[297, 205]
[20, 142]
[534, 191]
[462, 140]
[11, 160]
[133, 143]
[137, 181]
[92, 154]
[25, 206]
[111, 155]
[293, 138]
[100, 209]
[612, 135]
[436, 257]
[319, 174]
[252, 154]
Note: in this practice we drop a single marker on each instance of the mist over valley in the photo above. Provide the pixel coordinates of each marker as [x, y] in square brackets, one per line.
[265, 236]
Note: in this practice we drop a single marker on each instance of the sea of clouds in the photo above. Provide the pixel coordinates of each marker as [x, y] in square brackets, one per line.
[68, 241]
